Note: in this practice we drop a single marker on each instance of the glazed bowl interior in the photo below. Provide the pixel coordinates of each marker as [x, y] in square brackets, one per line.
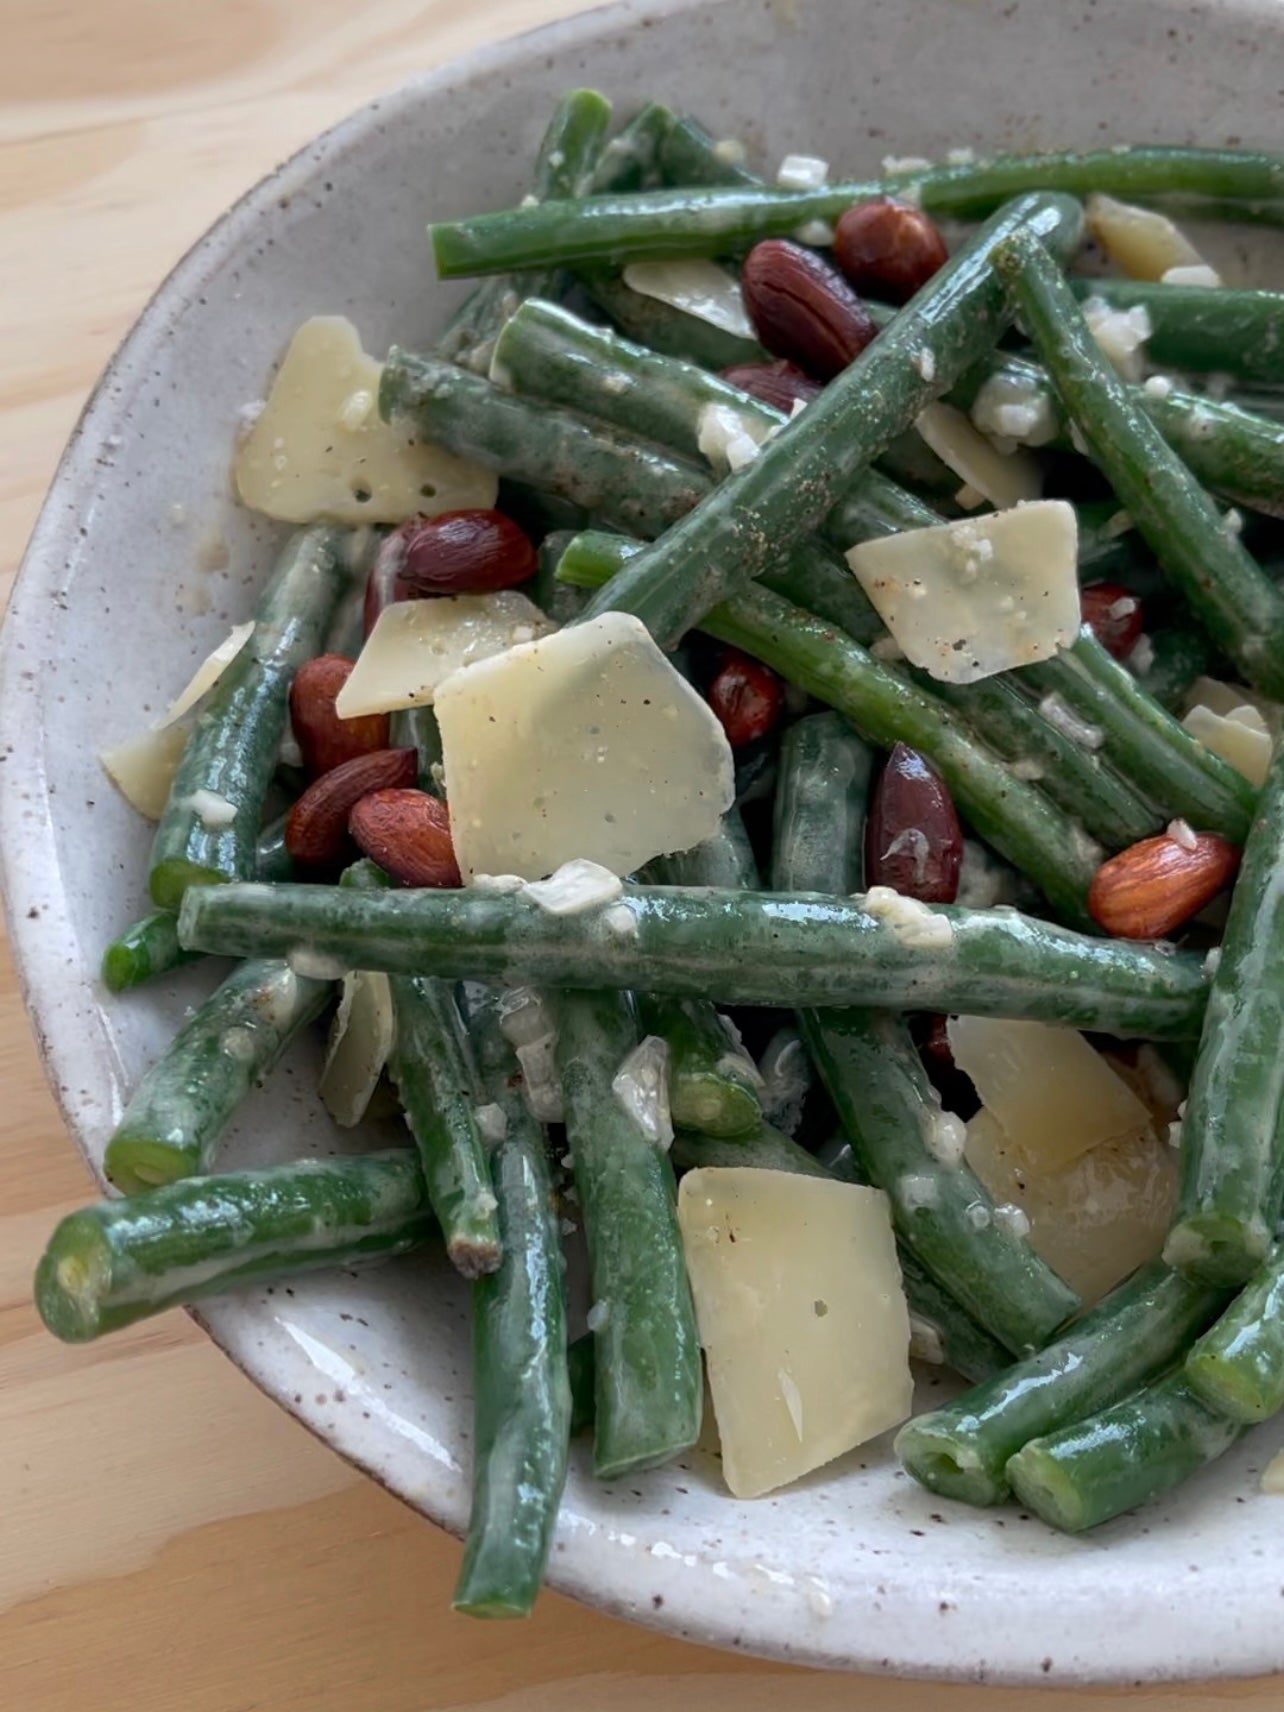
[142, 559]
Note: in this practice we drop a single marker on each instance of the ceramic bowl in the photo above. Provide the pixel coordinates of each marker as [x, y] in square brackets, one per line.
[141, 559]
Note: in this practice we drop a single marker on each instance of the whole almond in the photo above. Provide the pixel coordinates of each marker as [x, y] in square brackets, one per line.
[1153, 887]
[457, 552]
[803, 309]
[408, 834]
[1114, 616]
[888, 248]
[913, 840]
[781, 384]
[326, 741]
[316, 833]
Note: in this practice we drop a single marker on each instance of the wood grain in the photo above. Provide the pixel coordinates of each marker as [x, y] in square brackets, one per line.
[170, 1539]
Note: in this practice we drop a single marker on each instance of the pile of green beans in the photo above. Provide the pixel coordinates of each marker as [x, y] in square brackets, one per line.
[598, 436]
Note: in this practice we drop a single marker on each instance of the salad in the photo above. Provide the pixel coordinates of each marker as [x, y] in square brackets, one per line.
[773, 724]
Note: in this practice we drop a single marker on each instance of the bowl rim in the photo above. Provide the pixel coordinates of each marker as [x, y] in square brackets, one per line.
[34, 938]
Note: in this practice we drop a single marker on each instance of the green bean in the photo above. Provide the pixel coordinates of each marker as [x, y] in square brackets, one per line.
[1205, 329]
[964, 1449]
[624, 482]
[1241, 607]
[185, 1101]
[1094, 1470]
[729, 219]
[1232, 1148]
[272, 859]
[521, 1391]
[582, 1371]
[753, 948]
[1177, 656]
[416, 728]
[725, 860]
[889, 1110]
[565, 165]
[119, 1261]
[690, 155]
[144, 950]
[649, 1380]
[663, 326]
[712, 1087]
[1103, 802]
[1143, 741]
[767, 505]
[1237, 1367]
[432, 1064]
[765, 1148]
[1012, 814]
[232, 751]
[559, 601]
[631, 160]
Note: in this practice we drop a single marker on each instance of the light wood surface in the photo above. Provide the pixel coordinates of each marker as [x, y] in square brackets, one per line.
[169, 1539]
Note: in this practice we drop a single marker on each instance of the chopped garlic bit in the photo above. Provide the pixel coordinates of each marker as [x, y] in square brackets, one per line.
[925, 363]
[802, 172]
[1015, 408]
[926, 1343]
[802, 1318]
[315, 451]
[416, 644]
[728, 438]
[492, 1123]
[916, 925]
[1062, 716]
[1158, 386]
[981, 595]
[541, 1086]
[315, 965]
[214, 812]
[1120, 334]
[641, 1085]
[1142, 658]
[1024, 768]
[361, 1040]
[731, 150]
[918, 1190]
[597, 1316]
[1181, 833]
[818, 233]
[1010, 1218]
[576, 886]
[1004, 481]
[1212, 961]
[586, 743]
[497, 883]
[893, 164]
[523, 1016]
[699, 288]
[945, 1137]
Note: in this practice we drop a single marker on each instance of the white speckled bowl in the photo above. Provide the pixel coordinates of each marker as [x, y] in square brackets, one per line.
[855, 1567]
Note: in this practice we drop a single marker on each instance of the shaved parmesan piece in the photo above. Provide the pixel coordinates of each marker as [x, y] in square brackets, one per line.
[1003, 480]
[415, 644]
[802, 172]
[967, 599]
[142, 768]
[802, 1316]
[1273, 1476]
[1199, 273]
[361, 1039]
[1141, 242]
[208, 673]
[1055, 1095]
[319, 449]
[698, 288]
[1015, 408]
[583, 743]
[728, 438]
[1244, 744]
[1230, 699]
[1120, 335]
[1095, 1221]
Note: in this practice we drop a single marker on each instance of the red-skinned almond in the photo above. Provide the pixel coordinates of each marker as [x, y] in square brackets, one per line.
[1114, 616]
[913, 841]
[1148, 890]
[781, 385]
[458, 552]
[747, 697]
[316, 833]
[326, 741]
[803, 309]
[407, 833]
[888, 248]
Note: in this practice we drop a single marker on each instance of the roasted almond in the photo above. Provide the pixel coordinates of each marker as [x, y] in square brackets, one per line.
[1114, 616]
[781, 385]
[803, 309]
[913, 841]
[316, 833]
[888, 248]
[459, 552]
[747, 697]
[326, 741]
[1153, 887]
[408, 834]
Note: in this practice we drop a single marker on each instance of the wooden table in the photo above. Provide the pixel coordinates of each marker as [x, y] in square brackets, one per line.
[170, 1540]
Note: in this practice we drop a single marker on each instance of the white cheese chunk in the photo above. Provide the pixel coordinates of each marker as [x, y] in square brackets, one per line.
[1120, 334]
[802, 172]
[1141, 242]
[802, 1316]
[213, 811]
[1053, 1093]
[1094, 1221]
[983, 595]
[1005, 480]
[361, 1039]
[641, 1085]
[208, 673]
[1240, 737]
[319, 449]
[1014, 408]
[142, 768]
[698, 288]
[583, 743]
[1231, 699]
[729, 438]
[415, 644]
